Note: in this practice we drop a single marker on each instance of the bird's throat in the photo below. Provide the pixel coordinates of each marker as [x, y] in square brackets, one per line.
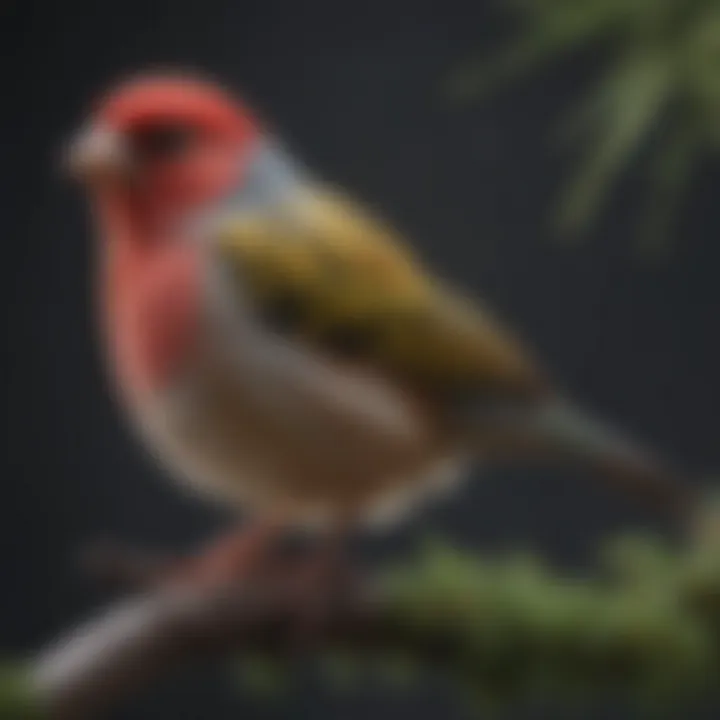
[150, 309]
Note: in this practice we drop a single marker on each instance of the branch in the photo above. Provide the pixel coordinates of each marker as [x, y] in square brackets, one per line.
[506, 629]
[129, 645]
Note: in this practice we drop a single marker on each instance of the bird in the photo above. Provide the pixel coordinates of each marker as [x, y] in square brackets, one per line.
[282, 348]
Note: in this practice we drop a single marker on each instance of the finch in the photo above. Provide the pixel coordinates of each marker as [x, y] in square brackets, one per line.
[279, 346]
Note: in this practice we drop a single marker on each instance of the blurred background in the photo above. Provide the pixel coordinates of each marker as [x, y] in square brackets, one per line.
[556, 157]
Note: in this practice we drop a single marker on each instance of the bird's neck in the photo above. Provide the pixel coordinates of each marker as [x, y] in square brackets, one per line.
[150, 305]
[153, 275]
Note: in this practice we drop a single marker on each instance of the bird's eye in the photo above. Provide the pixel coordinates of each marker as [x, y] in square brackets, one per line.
[162, 141]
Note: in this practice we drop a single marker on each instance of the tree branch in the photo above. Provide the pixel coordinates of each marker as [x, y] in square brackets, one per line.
[647, 626]
[130, 644]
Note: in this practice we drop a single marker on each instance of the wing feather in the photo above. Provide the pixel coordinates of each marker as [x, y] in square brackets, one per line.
[332, 275]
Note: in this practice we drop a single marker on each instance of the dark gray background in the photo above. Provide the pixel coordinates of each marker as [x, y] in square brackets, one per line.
[357, 91]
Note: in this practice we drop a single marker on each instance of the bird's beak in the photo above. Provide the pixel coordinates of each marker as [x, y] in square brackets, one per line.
[98, 154]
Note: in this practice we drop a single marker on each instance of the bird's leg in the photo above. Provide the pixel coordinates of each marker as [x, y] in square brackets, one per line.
[241, 555]
[323, 583]
[238, 555]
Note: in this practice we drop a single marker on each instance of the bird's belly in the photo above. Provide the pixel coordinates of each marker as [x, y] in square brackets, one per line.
[278, 428]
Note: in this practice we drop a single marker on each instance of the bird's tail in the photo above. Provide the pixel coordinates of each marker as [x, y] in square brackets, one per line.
[560, 431]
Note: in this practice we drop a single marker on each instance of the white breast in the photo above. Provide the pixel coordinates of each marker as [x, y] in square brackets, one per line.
[266, 424]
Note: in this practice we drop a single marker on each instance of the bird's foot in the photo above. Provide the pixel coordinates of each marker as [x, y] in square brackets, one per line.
[242, 555]
[322, 583]
[315, 583]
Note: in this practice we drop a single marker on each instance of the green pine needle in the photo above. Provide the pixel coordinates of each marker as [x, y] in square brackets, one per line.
[662, 92]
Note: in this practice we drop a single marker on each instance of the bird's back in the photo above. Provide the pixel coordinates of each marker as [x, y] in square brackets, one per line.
[328, 273]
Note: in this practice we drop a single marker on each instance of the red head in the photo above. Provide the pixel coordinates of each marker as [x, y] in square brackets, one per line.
[155, 151]
[158, 147]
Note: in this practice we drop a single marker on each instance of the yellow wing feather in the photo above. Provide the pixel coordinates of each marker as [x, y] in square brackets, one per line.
[347, 282]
